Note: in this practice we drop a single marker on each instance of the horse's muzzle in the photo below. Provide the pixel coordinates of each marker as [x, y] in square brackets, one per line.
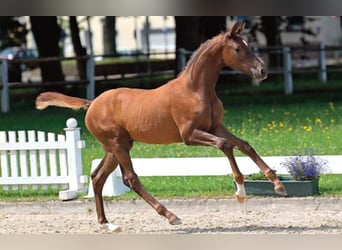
[259, 73]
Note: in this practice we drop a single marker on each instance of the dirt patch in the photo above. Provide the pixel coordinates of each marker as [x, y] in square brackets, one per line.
[209, 216]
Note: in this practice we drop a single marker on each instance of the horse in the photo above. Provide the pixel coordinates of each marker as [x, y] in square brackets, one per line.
[184, 110]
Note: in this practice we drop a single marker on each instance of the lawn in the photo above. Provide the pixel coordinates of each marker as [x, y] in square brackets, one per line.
[274, 124]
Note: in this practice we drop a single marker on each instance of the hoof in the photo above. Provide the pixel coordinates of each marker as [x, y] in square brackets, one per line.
[240, 199]
[280, 189]
[110, 227]
[174, 220]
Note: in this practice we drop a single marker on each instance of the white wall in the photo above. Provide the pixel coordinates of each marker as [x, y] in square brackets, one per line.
[327, 27]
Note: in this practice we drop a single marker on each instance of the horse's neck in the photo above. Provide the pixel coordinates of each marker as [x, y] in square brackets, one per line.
[204, 71]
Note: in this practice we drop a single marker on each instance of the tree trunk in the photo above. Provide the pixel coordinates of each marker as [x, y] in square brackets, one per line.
[270, 28]
[109, 35]
[186, 35]
[47, 33]
[211, 26]
[78, 48]
[187, 29]
[191, 31]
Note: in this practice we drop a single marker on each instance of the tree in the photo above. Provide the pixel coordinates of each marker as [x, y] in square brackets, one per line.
[78, 48]
[109, 34]
[187, 32]
[191, 31]
[12, 32]
[210, 26]
[47, 33]
[270, 26]
[273, 26]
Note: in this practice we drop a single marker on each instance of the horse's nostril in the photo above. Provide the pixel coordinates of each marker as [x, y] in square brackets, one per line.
[263, 72]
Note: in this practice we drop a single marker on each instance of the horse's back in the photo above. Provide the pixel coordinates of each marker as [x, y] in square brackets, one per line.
[109, 106]
[143, 114]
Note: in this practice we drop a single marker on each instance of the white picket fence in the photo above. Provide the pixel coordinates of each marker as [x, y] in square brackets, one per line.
[197, 166]
[35, 159]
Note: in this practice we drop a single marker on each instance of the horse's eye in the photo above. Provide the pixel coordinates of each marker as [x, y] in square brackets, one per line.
[237, 49]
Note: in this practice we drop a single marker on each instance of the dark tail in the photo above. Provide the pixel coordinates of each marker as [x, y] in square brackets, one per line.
[56, 99]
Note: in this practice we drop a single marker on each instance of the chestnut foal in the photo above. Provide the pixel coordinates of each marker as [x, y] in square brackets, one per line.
[186, 109]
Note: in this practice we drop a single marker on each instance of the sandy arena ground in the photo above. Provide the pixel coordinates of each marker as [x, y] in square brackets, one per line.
[271, 215]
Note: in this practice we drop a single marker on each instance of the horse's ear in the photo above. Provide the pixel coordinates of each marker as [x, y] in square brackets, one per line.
[242, 28]
[237, 28]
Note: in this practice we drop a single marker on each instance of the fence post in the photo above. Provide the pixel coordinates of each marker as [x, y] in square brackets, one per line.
[322, 64]
[91, 78]
[5, 86]
[181, 59]
[288, 81]
[74, 160]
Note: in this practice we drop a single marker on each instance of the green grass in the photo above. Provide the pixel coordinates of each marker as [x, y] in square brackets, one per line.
[176, 187]
[215, 186]
[330, 184]
[29, 195]
[274, 124]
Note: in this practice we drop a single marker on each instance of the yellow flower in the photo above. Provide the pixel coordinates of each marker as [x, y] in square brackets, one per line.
[307, 128]
[331, 106]
[318, 121]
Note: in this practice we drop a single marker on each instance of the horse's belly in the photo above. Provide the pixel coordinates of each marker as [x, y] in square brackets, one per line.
[156, 136]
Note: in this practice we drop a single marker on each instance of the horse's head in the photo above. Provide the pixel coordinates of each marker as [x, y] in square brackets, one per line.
[238, 55]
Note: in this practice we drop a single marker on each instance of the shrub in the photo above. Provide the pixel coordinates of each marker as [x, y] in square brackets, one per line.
[257, 176]
[305, 167]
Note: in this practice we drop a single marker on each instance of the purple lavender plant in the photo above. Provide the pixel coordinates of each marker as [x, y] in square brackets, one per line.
[305, 167]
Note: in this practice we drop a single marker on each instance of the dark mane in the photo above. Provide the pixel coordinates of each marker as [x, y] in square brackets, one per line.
[198, 52]
[195, 56]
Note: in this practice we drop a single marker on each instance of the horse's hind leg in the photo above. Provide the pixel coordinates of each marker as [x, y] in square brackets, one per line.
[121, 150]
[99, 176]
[131, 180]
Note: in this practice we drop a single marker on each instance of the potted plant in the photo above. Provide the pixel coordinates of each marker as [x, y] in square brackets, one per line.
[303, 178]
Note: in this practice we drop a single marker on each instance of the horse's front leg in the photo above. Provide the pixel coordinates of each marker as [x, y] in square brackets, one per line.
[221, 138]
[244, 147]
[240, 193]
[218, 140]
